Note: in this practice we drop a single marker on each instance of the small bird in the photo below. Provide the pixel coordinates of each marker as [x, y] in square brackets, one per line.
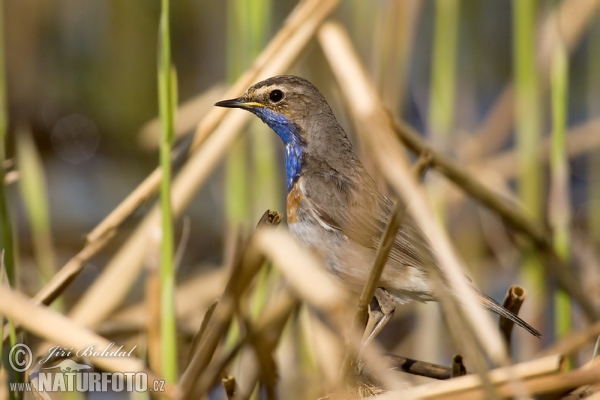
[334, 207]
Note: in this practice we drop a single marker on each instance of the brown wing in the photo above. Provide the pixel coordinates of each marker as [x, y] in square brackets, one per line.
[355, 206]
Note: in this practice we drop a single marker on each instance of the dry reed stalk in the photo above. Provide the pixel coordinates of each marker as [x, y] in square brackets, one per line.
[373, 122]
[186, 118]
[495, 172]
[574, 341]
[123, 269]
[383, 250]
[581, 139]
[270, 323]
[301, 270]
[246, 265]
[191, 297]
[420, 368]
[56, 328]
[511, 215]
[542, 368]
[574, 16]
[65, 276]
[392, 162]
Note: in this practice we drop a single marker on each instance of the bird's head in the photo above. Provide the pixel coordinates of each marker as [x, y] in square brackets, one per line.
[288, 104]
[296, 110]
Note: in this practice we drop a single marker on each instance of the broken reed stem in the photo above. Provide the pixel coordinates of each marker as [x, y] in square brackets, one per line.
[383, 250]
[246, 266]
[229, 385]
[470, 386]
[416, 367]
[515, 296]
[512, 216]
[458, 368]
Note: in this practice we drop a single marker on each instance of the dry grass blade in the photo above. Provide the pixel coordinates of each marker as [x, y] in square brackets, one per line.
[56, 328]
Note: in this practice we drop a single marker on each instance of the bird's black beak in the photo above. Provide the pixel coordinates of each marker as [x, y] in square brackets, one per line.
[233, 103]
[238, 103]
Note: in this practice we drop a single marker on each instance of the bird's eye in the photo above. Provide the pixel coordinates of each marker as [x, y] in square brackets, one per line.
[276, 95]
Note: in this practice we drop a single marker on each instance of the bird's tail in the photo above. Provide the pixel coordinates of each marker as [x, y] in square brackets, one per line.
[494, 306]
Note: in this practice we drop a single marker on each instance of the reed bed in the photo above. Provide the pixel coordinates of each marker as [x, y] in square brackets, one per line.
[270, 322]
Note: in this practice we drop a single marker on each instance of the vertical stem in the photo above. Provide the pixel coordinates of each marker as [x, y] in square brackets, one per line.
[528, 130]
[5, 219]
[442, 95]
[237, 178]
[443, 78]
[560, 214]
[443, 81]
[8, 239]
[593, 101]
[167, 100]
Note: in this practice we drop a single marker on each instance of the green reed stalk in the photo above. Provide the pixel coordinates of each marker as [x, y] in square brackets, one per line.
[528, 130]
[5, 220]
[8, 241]
[32, 185]
[442, 93]
[443, 76]
[593, 101]
[560, 210]
[237, 179]
[167, 92]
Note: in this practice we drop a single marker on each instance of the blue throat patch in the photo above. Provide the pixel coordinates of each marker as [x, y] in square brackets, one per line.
[289, 133]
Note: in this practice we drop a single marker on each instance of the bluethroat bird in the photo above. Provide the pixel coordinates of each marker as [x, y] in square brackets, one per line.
[334, 206]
